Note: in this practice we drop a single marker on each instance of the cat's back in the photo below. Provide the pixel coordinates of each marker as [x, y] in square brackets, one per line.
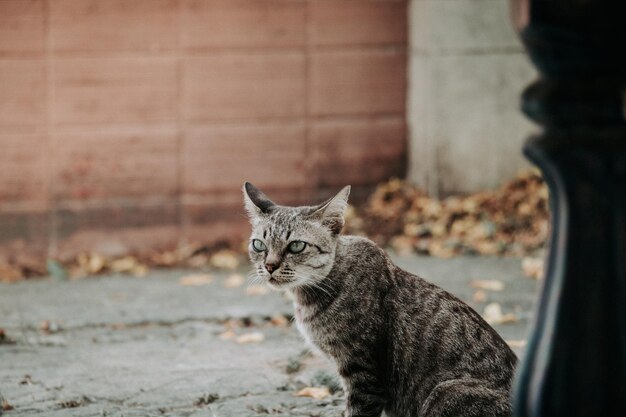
[359, 255]
[431, 335]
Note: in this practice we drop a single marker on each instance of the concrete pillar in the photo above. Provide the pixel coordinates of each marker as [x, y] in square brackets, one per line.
[467, 69]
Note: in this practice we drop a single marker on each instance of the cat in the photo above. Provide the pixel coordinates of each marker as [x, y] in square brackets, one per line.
[400, 344]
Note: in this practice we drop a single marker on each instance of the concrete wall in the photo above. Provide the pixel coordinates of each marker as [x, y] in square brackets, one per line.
[467, 70]
[131, 124]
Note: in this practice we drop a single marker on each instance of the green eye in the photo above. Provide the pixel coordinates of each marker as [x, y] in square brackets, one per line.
[258, 246]
[296, 246]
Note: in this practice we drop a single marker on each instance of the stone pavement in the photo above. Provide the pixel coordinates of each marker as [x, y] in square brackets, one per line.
[123, 346]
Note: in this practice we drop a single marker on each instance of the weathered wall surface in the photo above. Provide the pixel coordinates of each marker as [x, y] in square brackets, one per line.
[467, 70]
[132, 124]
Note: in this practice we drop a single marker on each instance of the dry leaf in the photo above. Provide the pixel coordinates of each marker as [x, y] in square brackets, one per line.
[487, 284]
[234, 281]
[10, 273]
[48, 326]
[516, 343]
[196, 279]
[488, 248]
[402, 244]
[125, 264]
[440, 250]
[479, 296]
[198, 261]
[227, 335]
[493, 315]
[6, 406]
[256, 290]
[318, 393]
[279, 320]
[168, 258]
[96, 263]
[225, 259]
[533, 267]
[508, 318]
[246, 338]
[233, 324]
[5, 340]
[511, 220]
[140, 270]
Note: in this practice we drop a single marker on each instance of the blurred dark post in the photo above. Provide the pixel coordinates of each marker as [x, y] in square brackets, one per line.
[575, 364]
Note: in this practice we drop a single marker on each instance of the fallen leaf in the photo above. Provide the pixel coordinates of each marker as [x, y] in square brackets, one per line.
[225, 259]
[487, 284]
[206, 399]
[139, 270]
[256, 290]
[318, 393]
[493, 315]
[508, 318]
[26, 380]
[279, 320]
[168, 258]
[254, 337]
[10, 273]
[516, 343]
[4, 339]
[533, 267]
[227, 335]
[48, 326]
[196, 280]
[511, 220]
[233, 324]
[440, 250]
[198, 261]
[402, 244]
[125, 264]
[479, 296]
[6, 406]
[234, 281]
[96, 263]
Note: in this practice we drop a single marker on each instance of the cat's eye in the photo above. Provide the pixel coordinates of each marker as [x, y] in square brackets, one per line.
[296, 246]
[258, 246]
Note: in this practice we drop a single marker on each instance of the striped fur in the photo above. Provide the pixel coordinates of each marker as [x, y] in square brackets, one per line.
[400, 344]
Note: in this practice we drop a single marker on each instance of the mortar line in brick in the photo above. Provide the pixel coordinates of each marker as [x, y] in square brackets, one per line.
[309, 153]
[290, 121]
[119, 202]
[117, 127]
[50, 131]
[131, 127]
[180, 125]
[454, 52]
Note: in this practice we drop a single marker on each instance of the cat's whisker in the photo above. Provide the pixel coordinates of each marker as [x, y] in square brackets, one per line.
[255, 281]
[319, 286]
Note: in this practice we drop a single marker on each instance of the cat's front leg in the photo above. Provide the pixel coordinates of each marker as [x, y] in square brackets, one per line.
[364, 393]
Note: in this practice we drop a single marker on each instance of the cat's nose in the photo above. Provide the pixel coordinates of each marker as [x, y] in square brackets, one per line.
[271, 267]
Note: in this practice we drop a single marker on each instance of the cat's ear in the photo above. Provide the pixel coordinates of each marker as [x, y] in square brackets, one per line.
[331, 212]
[255, 201]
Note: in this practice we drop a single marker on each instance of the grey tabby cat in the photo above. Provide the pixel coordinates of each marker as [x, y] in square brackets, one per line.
[401, 345]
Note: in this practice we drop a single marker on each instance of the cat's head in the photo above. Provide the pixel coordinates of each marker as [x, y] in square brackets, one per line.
[293, 246]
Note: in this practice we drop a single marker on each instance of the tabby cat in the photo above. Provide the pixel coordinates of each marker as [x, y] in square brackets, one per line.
[400, 344]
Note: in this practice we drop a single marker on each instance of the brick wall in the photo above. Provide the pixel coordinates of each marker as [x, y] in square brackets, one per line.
[132, 124]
